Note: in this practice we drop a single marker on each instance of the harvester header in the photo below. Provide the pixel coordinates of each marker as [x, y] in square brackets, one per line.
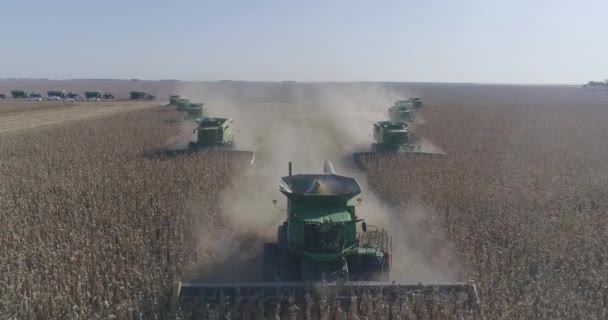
[392, 138]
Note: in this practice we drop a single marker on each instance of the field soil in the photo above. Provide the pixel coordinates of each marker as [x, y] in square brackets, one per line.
[92, 228]
[22, 115]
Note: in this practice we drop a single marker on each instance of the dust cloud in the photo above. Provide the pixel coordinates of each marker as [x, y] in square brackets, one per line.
[308, 124]
[183, 137]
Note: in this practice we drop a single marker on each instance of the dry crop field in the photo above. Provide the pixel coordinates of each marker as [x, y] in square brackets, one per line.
[91, 229]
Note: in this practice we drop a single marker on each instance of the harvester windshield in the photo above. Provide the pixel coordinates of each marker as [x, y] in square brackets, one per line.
[324, 237]
[208, 135]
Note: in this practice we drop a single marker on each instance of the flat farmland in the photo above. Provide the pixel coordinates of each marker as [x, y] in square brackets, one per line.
[93, 229]
[22, 115]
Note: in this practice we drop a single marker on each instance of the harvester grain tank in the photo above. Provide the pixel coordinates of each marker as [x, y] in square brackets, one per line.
[20, 94]
[213, 135]
[324, 251]
[393, 138]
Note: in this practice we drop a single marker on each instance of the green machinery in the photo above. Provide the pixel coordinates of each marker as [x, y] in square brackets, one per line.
[20, 94]
[181, 104]
[92, 95]
[35, 95]
[193, 110]
[213, 135]
[56, 94]
[173, 100]
[416, 102]
[107, 96]
[324, 250]
[404, 110]
[72, 95]
[392, 138]
[141, 95]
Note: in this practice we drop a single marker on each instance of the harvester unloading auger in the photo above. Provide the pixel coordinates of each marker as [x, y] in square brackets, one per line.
[393, 139]
[212, 135]
[325, 254]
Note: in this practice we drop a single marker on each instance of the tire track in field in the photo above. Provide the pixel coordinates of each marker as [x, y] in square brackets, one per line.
[24, 120]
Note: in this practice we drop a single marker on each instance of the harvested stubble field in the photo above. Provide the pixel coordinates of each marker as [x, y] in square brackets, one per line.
[91, 229]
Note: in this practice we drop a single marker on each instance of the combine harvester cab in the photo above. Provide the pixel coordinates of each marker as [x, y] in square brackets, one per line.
[324, 254]
[402, 110]
[393, 139]
[194, 110]
[405, 110]
[173, 100]
[213, 135]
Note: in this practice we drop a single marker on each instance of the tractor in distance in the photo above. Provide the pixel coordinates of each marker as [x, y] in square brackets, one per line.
[392, 138]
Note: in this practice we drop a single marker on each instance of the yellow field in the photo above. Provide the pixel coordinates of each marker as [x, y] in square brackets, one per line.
[92, 229]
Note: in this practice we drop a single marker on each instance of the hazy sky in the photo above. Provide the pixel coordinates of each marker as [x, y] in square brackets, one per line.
[423, 40]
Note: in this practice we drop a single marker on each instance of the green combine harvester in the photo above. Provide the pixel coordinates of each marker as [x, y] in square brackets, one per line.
[212, 135]
[107, 96]
[173, 100]
[56, 94]
[72, 95]
[92, 95]
[404, 110]
[324, 251]
[393, 138]
[20, 94]
[193, 110]
[181, 104]
[141, 95]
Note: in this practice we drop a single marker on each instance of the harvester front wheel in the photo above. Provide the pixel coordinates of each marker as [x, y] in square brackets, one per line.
[271, 262]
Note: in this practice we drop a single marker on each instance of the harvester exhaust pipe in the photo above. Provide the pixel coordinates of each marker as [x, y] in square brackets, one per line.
[328, 168]
[289, 168]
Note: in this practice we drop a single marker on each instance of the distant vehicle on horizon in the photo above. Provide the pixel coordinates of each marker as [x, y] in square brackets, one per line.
[596, 85]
